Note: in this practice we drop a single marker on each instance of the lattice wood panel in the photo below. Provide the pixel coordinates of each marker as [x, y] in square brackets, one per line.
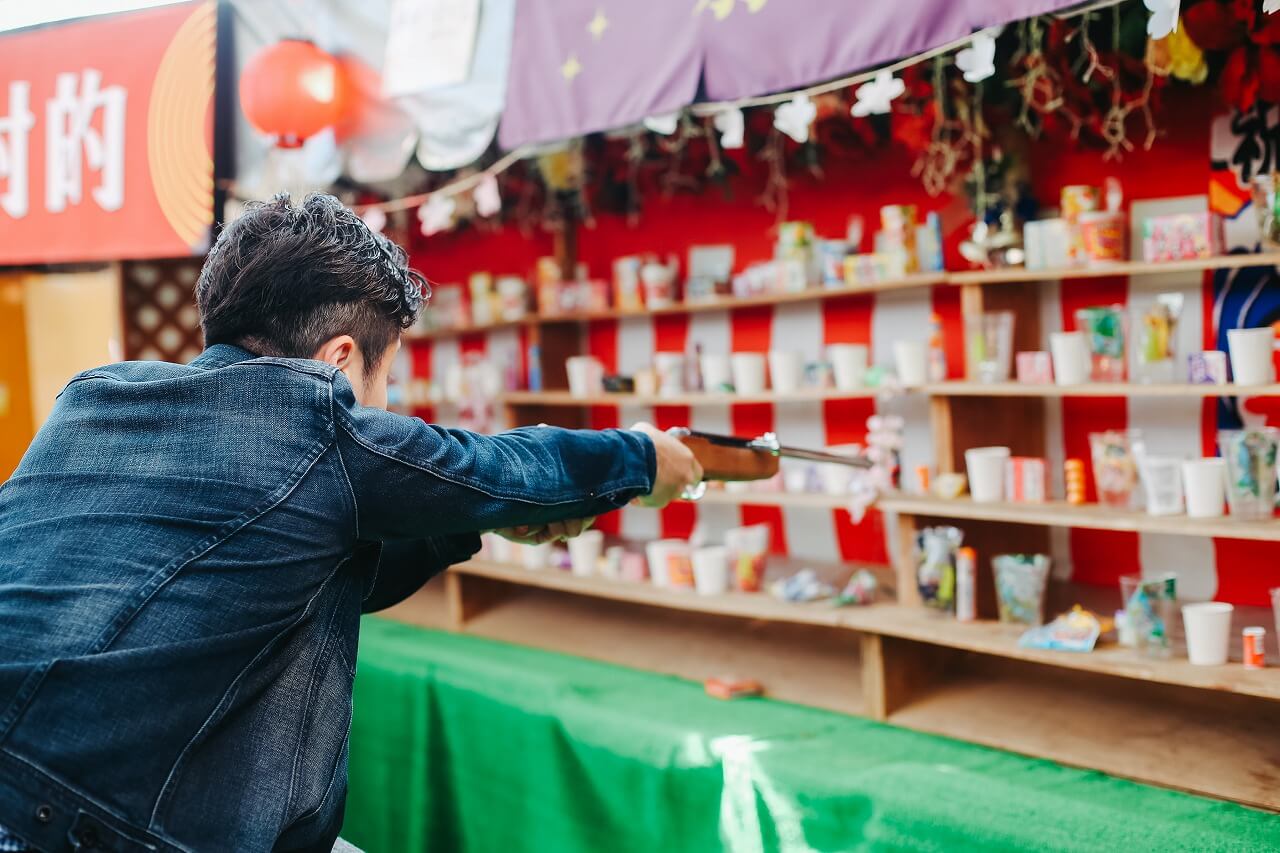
[160, 317]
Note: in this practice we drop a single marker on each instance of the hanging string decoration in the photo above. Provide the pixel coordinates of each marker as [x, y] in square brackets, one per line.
[1038, 84]
[937, 165]
[775, 197]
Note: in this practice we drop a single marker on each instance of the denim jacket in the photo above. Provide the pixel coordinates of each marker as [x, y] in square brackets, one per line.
[185, 552]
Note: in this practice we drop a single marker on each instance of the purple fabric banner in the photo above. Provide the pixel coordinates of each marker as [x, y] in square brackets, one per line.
[579, 66]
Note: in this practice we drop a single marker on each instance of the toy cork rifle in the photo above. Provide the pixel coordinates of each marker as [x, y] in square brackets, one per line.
[727, 457]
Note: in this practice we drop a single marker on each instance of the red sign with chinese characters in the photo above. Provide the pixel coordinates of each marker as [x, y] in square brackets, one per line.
[106, 137]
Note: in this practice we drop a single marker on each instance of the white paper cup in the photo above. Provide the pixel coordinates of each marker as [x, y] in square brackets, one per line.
[711, 570]
[1162, 482]
[584, 552]
[911, 360]
[1070, 352]
[1251, 355]
[670, 368]
[715, 372]
[985, 466]
[748, 372]
[1204, 483]
[838, 479]
[786, 369]
[664, 556]
[535, 557]
[1208, 627]
[849, 364]
[586, 375]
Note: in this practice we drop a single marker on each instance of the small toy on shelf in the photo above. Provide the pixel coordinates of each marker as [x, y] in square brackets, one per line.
[732, 688]
[860, 589]
[936, 549]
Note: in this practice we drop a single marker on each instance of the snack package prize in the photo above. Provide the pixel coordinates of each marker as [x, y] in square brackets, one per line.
[747, 547]
[1075, 631]
[936, 549]
[1021, 580]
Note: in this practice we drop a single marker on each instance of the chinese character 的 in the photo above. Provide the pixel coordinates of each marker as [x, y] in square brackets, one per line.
[71, 136]
[14, 130]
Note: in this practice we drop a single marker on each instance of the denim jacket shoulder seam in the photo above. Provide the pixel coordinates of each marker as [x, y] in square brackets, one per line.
[166, 574]
[342, 466]
[606, 489]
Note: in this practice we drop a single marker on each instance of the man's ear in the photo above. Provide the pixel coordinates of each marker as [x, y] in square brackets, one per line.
[336, 351]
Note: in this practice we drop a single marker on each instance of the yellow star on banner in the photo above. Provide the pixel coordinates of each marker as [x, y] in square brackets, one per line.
[571, 68]
[721, 8]
[598, 25]
[754, 6]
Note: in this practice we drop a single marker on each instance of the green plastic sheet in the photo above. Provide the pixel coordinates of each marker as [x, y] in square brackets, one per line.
[464, 744]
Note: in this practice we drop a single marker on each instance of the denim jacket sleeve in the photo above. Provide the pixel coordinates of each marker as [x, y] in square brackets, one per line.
[411, 480]
[404, 565]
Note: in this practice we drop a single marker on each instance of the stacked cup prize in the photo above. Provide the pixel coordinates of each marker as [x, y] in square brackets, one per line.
[1073, 469]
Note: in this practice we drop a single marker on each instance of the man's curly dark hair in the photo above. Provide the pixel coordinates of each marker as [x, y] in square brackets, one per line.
[283, 279]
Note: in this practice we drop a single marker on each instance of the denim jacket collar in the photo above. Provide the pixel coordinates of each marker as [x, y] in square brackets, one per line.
[221, 355]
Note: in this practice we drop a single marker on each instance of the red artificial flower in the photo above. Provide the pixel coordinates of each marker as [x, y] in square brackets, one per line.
[1214, 26]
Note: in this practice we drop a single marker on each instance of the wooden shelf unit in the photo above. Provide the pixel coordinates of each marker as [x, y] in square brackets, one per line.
[905, 665]
[1205, 729]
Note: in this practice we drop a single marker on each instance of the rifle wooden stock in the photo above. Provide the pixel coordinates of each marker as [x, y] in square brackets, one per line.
[731, 463]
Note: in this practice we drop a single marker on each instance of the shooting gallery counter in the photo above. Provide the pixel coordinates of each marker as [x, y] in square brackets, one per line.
[1207, 730]
[463, 743]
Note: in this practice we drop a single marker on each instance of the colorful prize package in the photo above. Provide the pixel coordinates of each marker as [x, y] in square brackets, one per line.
[1207, 368]
[801, 587]
[1034, 368]
[929, 244]
[1025, 480]
[1076, 200]
[1115, 455]
[513, 297]
[628, 295]
[1157, 335]
[747, 548]
[547, 285]
[1077, 630]
[1021, 580]
[1150, 608]
[796, 243]
[1177, 237]
[936, 551]
[831, 255]
[448, 307]
[710, 273]
[898, 224]
[1104, 329]
[860, 589]
[483, 298]
[1073, 472]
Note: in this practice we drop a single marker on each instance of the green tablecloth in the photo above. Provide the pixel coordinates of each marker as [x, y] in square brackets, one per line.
[462, 744]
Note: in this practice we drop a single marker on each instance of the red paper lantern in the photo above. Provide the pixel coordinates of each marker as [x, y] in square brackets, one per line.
[293, 90]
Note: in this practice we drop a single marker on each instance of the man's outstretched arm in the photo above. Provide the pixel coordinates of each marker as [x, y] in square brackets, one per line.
[411, 480]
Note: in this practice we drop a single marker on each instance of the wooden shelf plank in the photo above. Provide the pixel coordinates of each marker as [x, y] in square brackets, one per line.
[1120, 728]
[1096, 389]
[718, 304]
[736, 604]
[1020, 274]
[939, 389]
[908, 623]
[564, 398]
[1050, 514]
[1090, 516]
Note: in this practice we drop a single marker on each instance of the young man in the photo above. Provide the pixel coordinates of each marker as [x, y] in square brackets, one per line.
[185, 551]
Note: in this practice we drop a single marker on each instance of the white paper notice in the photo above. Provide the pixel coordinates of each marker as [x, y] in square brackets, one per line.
[430, 45]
